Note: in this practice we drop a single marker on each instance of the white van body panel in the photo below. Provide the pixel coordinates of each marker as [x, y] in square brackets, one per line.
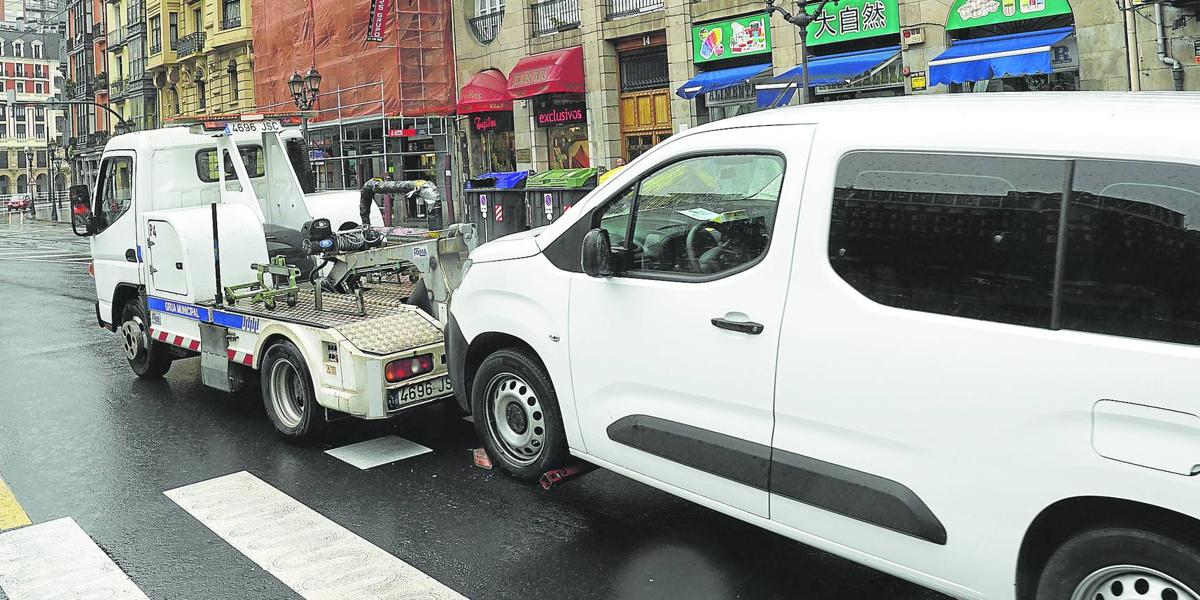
[987, 423]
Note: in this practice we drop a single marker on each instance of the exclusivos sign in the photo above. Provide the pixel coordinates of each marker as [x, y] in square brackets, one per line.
[555, 111]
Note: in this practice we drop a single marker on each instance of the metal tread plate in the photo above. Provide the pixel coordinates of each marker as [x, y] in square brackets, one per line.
[381, 300]
[407, 329]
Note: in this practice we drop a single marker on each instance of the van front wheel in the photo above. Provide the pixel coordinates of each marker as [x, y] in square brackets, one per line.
[516, 415]
[1122, 562]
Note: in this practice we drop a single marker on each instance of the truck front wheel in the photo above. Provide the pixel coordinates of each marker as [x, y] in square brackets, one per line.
[287, 391]
[516, 414]
[148, 358]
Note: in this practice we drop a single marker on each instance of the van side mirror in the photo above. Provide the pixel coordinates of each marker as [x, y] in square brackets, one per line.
[597, 253]
[83, 223]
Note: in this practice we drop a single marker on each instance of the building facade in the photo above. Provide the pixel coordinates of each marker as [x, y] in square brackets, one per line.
[596, 82]
[131, 92]
[87, 84]
[201, 56]
[29, 62]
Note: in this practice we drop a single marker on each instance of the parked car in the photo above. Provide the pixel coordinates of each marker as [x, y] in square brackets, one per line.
[18, 203]
[955, 339]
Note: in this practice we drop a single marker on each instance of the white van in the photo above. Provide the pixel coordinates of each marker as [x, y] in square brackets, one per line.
[956, 339]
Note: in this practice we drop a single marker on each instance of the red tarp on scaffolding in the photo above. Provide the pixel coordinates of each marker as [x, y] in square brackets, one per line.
[560, 71]
[411, 73]
[486, 91]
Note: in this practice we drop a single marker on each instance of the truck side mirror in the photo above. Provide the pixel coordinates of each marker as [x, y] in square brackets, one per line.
[83, 223]
[597, 253]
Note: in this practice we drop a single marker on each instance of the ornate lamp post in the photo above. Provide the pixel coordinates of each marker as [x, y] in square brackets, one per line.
[29, 187]
[57, 158]
[304, 90]
[801, 19]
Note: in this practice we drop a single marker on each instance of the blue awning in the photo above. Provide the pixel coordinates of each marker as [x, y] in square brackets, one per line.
[834, 69]
[708, 81]
[998, 56]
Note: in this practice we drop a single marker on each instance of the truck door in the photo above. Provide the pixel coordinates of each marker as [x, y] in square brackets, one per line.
[673, 360]
[165, 259]
[115, 252]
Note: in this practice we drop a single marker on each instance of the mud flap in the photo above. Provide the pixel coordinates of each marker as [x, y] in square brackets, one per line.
[216, 370]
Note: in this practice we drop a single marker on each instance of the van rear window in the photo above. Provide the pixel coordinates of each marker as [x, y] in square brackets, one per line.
[978, 237]
[206, 164]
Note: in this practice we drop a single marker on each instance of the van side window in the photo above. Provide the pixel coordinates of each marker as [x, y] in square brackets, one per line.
[1132, 263]
[963, 235]
[116, 191]
[699, 216]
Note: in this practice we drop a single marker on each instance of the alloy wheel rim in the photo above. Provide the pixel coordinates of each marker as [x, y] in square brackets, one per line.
[287, 393]
[1129, 582]
[135, 338]
[515, 419]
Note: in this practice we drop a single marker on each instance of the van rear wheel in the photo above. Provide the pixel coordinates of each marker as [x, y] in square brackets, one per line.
[516, 415]
[149, 358]
[288, 394]
[1122, 563]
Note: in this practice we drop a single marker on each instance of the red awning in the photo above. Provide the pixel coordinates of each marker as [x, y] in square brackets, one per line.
[486, 91]
[560, 71]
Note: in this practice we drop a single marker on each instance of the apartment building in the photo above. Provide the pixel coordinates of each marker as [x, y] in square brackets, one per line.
[201, 56]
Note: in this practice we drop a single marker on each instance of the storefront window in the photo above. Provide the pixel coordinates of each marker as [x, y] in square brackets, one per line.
[568, 147]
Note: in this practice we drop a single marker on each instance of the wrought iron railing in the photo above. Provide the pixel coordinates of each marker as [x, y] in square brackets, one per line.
[231, 22]
[553, 16]
[116, 88]
[485, 27]
[191, 43]
[623, 8]
[156, 47]
[116, 37]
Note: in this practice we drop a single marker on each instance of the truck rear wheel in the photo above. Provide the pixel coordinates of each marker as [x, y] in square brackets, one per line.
[148, 358]
[516, 415]
[288, 395]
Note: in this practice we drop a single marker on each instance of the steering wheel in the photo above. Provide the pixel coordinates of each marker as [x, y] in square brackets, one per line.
[693, 254]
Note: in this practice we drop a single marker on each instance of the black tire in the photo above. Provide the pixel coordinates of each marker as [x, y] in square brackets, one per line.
[294, 411]
[149, 359]
[1087, 554]
[517, 382]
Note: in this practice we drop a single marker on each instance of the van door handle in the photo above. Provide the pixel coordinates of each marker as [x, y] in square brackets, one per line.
[747, 327]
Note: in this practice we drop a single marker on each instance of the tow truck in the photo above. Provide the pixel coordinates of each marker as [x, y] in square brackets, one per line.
[205, 243]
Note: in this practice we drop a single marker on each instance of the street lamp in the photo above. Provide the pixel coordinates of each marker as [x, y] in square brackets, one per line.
[29, 182]
[55, 164]
[304, 90]
[802, 20]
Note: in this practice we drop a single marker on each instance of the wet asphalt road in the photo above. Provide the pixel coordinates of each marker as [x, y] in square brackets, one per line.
[80, 436]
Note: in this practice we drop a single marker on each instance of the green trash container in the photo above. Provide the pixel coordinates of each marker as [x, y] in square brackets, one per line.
[551, 193]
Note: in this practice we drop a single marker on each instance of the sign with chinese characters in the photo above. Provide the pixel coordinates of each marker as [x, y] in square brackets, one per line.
[853, 20]
[554, 110]
[488, 122]
[746, 36]
[974, 13]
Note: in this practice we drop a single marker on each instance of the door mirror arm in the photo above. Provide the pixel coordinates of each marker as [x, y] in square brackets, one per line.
[597, 255]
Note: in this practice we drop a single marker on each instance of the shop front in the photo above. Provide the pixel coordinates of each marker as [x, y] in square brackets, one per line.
[730, 57]
[486, 107]
[854, 48]
[645, 93]
[553, 83]
[1008, 46]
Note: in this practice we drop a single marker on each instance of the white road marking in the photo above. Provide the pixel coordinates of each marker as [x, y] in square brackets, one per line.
[57, 559]
[379, 451]
[317, 558]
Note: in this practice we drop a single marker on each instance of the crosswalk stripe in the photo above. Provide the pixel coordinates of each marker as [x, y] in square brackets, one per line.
[57, 559]
[317, 558]
[11, 513]
[379, 451]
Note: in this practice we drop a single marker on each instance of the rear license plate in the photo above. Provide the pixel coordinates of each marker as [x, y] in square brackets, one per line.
[419, 391]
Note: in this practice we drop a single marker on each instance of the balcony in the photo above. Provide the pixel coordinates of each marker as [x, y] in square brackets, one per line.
[84, 90]
[101, 81]
[135, 29]
[553, 16]
[117, 38]
[485, 27]
[192, 43]
[625, 8]
[156, 47]
[116, 89]
[231, 22]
